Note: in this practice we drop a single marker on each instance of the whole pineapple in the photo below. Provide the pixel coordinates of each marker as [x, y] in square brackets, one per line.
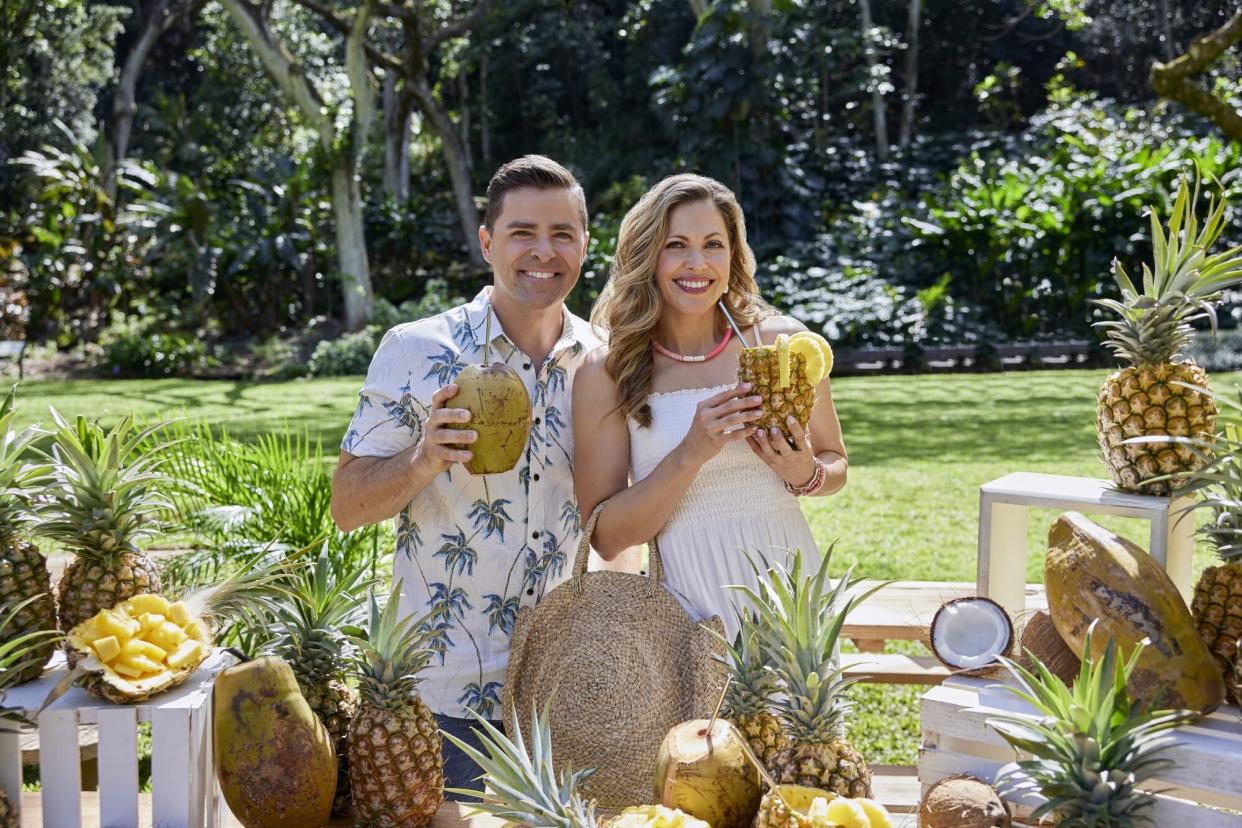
[1217, 602]
[799, 620]
[396, 768]
[1091, 746]
[747, 698]
[23, 569]
[308, 620]
[105, 490]
[783, 395]
[1148, 397]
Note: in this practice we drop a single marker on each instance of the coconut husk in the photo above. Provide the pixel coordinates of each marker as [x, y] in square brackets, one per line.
[1041, 639]
[992, 670]
[963, 802]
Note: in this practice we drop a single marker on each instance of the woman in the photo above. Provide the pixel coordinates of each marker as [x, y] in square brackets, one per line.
[662, 426]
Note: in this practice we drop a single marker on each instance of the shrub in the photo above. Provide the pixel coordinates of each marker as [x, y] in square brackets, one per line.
[350, 354]
[133, 349]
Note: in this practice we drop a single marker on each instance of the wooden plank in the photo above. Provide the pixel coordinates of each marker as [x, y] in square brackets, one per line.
[894, 668]
[118, 768]
[60, 771]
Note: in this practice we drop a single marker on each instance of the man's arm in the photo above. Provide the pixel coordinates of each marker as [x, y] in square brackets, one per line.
[367, 490]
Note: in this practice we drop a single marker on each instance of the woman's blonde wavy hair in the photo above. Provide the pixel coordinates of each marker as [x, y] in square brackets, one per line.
[629, 306]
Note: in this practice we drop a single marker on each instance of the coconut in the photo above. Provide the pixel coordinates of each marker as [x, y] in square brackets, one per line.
[702, 769]
[962, 802]
[1041, 640]
[969, 635]
[500, 412]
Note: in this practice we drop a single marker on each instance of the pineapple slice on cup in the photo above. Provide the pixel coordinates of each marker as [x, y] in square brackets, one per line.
[785, 374]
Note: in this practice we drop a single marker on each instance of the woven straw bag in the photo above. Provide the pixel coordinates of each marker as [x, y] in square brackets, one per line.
[621, 663]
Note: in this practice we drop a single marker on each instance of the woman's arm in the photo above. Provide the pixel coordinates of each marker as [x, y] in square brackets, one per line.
[636, 513]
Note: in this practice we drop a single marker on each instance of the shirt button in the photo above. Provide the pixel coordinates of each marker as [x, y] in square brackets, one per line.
[526, 366]
[538, 420]
[534, 534]
[530, 591]
[535, 477]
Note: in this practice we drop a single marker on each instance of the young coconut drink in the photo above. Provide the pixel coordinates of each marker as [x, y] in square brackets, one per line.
[500, 412]
[963, 802]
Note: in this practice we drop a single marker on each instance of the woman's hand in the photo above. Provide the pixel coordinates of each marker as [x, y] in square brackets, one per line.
[719, 420]
[795, 464]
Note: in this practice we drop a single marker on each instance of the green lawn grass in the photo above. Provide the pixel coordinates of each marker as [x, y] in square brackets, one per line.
[919, 446]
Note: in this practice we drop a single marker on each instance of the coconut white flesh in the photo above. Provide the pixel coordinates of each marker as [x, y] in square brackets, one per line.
[971, 634]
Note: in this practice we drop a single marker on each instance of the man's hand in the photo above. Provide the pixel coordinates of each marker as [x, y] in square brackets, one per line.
[437, 450]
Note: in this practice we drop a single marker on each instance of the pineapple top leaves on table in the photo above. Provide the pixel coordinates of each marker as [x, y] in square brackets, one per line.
[523, 786]
[17, 477]
[1091, 745]
[391, 654]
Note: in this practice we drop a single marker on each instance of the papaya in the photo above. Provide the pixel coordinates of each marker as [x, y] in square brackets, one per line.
[274, 758]
[1092, 573]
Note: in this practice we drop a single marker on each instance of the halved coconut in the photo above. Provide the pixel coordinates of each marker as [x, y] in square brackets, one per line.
[970, 634]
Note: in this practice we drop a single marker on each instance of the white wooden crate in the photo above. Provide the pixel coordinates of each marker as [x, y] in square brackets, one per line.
[1202, 789]
[1005, 502]
[184, 793]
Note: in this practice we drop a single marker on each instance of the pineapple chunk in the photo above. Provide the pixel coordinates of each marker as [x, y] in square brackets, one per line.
[107, 648]
[126, 670]
[136, 646]
[198, 631]
[149, 620]
[138, 662]
[187, 653]
[179, 613]
[167, 635]
[156, 604]
[847, 813]
[114, 623]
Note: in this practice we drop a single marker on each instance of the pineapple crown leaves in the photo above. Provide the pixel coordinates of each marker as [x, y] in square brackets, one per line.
[523, 786]
[19, 653]
[105, 487]
[314, 614]
[253, 585]
[752, 683]
[17, 478]
[799, 621]
[1153, 325]
[1091, 745]
[392, 653]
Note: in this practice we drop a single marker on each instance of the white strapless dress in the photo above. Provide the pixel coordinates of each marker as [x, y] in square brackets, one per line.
[736, 506]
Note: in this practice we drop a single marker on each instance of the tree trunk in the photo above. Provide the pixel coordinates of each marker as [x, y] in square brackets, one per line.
[1166, 29]
[463, 96]
[699, 7]
[398, 110]
[877, 97]
[351, 243]
[1172, 80]
[292, 79]
[906, 131]
[485, 135]
[458, 167]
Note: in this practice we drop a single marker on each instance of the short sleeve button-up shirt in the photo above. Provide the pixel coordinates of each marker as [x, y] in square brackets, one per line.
[471, 550]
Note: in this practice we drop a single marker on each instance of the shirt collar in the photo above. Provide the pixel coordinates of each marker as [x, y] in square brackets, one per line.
[574, 331]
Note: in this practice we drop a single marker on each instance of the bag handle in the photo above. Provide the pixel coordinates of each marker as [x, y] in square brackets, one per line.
[655, 565]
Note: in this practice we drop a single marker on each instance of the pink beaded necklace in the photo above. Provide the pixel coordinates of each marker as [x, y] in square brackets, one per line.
[660, 349]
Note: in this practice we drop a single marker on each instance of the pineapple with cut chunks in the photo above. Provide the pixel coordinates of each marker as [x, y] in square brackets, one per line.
[785, 374]
[147, 644]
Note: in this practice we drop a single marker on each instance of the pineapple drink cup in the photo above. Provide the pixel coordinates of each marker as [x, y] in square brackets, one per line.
[785, 375]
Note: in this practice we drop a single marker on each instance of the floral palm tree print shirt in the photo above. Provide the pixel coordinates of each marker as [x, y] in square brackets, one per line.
[473, 549]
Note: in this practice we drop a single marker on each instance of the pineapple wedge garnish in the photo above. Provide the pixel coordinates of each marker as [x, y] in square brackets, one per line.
[782, 357]
[817, 352]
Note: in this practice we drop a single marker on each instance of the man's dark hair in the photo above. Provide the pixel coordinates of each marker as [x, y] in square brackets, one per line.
[538, 172]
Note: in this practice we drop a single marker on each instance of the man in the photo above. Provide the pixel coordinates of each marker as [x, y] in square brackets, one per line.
[473, 549]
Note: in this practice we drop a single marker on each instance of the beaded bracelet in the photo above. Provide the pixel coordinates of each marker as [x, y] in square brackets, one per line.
[814, 484]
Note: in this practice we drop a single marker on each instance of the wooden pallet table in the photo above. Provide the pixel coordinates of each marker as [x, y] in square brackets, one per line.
[184, 791]
[1201, 789]
[1004, 505]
